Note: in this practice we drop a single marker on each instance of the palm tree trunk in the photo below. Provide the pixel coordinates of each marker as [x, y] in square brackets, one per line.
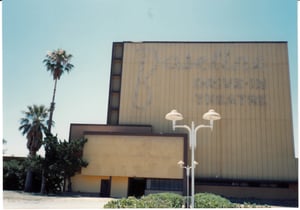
[64, 184]
[69, 184]
[29, 174]
[43, 185]
[52, 106]
[28, 181]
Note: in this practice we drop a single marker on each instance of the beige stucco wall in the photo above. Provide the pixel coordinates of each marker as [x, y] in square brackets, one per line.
[119, 187]
[247, 83]
[133, 156]
[90, 184]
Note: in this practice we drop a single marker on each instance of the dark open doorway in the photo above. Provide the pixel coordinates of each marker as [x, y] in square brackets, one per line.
[105, 188]
[136, 187]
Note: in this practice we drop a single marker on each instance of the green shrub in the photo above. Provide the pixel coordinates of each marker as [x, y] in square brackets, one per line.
[13, 175]
[170, 200]
[208, 200]
[159, 200]
[162, 200]
[130, 202]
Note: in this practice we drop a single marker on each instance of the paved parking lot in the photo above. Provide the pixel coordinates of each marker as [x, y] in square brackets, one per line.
[21, 200]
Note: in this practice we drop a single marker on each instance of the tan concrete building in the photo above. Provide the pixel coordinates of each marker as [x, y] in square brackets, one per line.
[250, 151]
[129, 160]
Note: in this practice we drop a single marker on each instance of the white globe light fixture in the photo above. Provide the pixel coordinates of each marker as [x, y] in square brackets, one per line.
[211, 115]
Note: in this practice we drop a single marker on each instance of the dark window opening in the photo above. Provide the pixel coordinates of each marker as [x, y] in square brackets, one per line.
[136, 187]
[242, 183]
[165, 184]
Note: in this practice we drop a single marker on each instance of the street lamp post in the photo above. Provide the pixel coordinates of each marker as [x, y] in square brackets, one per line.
[187, 168]
[211, 115]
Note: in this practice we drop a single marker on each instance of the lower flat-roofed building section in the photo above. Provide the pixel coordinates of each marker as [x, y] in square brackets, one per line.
[122, 165]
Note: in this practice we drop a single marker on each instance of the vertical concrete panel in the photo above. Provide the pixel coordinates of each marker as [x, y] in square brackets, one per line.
[247, 83]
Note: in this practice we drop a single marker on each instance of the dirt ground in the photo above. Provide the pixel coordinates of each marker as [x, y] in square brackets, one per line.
[21, 200]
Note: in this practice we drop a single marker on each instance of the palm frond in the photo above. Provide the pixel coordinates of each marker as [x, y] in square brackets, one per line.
[33, 125]
[58, 62]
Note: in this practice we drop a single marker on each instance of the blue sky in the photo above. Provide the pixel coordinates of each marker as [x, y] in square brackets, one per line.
[87, 29]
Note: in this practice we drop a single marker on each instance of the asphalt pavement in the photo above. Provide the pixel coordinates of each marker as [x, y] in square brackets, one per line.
[22, 200]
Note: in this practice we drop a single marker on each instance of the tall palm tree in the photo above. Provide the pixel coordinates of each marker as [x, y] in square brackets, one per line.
[33, 125]
[57, 62]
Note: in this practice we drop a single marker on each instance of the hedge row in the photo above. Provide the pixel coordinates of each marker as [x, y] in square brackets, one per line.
[170, 200]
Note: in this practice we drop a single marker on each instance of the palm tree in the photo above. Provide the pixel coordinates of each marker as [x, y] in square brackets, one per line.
[33, 125]
[57, 62]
